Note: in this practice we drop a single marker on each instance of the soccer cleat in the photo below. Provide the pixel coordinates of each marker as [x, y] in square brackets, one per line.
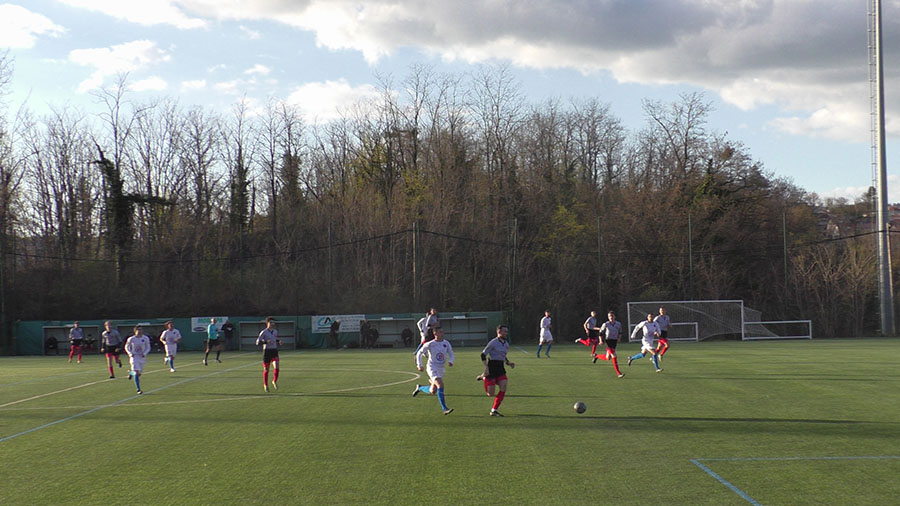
[659, 370]
[139, 392]
[578, 341]
[166, 360]
[621, 375]
[204, 362]
[480, 377]
[275, 385]
[629, 360]
[416, 391]
[219, 361]
[112, 377]
[448, 411]
[171, 369]
[120, 364]
[266, 388]
[595, 358]
[547, 355]
[494, 412]
[70, 360]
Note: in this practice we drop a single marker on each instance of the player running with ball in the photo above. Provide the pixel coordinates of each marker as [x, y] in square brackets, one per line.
[610, 332]
[439, 353]
[268, 338]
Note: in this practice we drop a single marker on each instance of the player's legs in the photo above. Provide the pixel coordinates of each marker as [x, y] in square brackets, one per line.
[437, 387]
[109, 366]
[219, 352]
[71, 352]
[501, 384]
[662, 346]
[540, 345]
[275, 377]
[79, 353]
[206, 356]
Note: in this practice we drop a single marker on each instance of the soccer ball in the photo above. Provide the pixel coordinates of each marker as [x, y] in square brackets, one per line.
[580, 407]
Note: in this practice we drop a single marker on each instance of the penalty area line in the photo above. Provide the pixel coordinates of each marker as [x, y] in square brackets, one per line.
[98, 408]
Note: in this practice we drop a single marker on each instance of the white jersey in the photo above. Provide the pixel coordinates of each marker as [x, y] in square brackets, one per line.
[545, 329]
[611, 330]
[170, 339]
[137, 348]
[663, 322]
[651, 330]
[440, 353]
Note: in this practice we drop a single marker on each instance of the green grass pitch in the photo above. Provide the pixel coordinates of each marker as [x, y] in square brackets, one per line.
[773, 423]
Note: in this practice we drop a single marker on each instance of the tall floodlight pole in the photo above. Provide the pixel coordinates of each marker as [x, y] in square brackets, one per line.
[886, 289]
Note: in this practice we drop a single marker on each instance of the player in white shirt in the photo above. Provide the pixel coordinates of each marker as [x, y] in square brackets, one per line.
[545, 337]
[440, 354]
[137, 347]
[426, 325]
[662, 345]
[651, 332]
[170, 338]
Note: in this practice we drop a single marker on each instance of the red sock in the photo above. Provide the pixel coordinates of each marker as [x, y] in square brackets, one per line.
[615, 362]
[601, 357]
[486, 387]
[497, 400]
[594, 349]
[275, 378]
[664, 350]
[79, 353]
[72, 352]
[111, 371]
[265, 376]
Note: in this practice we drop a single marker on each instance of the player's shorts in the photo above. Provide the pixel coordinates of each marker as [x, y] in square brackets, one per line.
[647, 345]
[663, 334]
[212, 343]
[435, 372]
[137, 364]
[269, 356]
[75, 343]
[546, 337]
[496, 369]
[112, 349]
[593, 334]
[488, 381]
[171, 350]
[663, 341]
[612, 343]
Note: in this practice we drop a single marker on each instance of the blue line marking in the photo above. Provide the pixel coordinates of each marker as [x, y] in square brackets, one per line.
[725, 482]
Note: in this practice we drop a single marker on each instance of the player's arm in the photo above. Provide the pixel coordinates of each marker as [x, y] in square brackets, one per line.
[452, 357]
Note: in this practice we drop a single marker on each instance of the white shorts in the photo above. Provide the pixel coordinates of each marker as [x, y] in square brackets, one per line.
[435, 372]
[647, 345]
[171, 349]
[137, 363]
[546, 337]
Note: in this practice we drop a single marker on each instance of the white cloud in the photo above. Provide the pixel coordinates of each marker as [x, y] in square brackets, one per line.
[258, 69]
[20, 27]
[194, 85]
[143, 12]
[153, 83]
[229, 87]
[752, 53]
[851, 193]
[250, 33]
[322, 101]
[117, 59]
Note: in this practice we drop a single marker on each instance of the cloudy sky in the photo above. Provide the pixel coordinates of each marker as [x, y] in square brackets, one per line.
[788, 78]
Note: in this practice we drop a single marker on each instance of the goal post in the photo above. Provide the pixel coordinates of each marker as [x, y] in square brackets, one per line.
[717, 319]
[705, 319]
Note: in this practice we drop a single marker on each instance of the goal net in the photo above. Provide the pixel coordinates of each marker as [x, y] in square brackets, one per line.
[698, 320]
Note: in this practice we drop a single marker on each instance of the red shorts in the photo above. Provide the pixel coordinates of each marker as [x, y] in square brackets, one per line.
[663, 341]
[494, 381]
